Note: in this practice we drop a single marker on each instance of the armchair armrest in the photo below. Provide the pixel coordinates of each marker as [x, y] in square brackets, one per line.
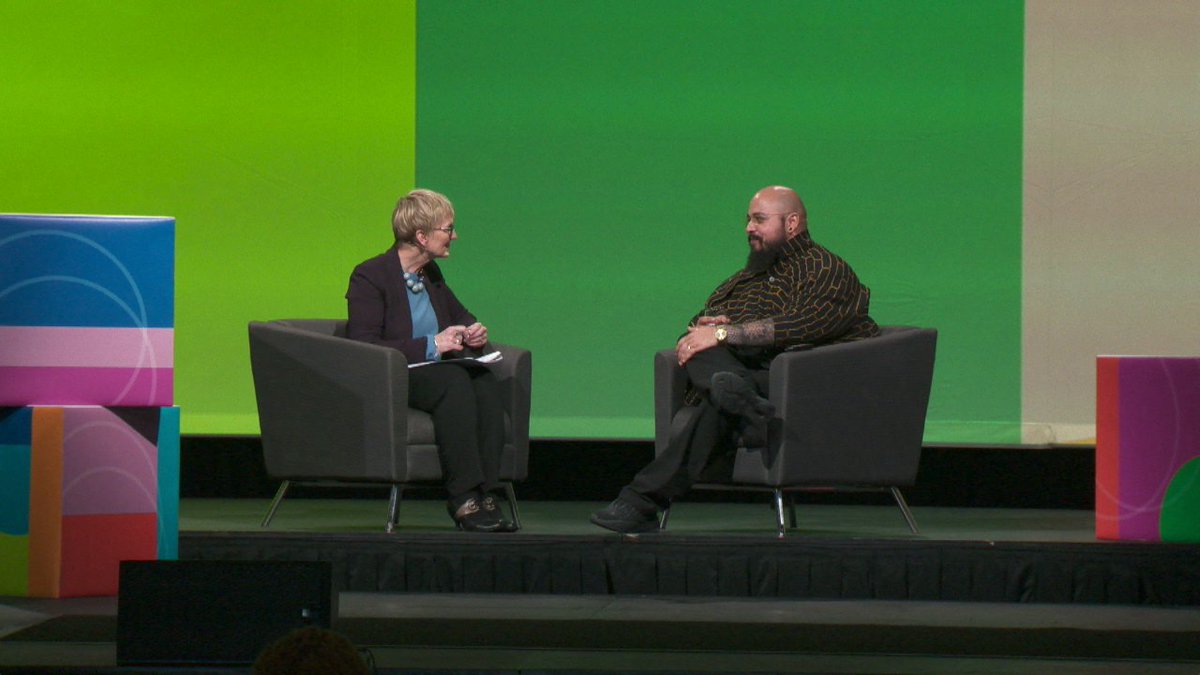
[855, 411]
[670, 383]
[323, 399]
[515, 372]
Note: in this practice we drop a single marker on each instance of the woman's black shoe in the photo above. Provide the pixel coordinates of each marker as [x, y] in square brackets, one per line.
[489, 504]
[470, 516]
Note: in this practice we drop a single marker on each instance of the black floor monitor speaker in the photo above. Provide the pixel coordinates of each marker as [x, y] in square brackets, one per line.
[216, 612]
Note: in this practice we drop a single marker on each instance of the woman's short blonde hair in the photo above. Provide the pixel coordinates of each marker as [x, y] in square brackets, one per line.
[419, 211]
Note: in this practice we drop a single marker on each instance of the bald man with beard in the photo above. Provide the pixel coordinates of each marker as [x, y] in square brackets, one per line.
[792, 294]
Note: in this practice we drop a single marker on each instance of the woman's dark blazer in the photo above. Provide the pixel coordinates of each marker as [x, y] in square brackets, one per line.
[377, 305]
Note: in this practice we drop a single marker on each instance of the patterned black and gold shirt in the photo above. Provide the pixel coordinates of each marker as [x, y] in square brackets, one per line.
[812, 296]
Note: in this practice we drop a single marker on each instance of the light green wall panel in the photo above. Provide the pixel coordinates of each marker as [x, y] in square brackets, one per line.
[277, 134]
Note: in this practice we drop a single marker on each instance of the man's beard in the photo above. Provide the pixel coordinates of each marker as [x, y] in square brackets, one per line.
[760, 260]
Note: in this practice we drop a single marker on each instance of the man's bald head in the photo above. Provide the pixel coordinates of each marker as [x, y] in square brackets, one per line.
[786, 204]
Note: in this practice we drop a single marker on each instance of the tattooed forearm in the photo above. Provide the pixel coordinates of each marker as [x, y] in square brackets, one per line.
[752, 334]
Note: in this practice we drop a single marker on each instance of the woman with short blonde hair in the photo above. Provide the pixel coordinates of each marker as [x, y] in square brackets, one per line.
[400, 299]
[419, 211]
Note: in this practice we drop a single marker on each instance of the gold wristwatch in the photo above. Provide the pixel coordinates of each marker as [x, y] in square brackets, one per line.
[721, 334]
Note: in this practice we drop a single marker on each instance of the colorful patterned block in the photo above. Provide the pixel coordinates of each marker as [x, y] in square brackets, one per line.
[87, 310]
[1148, 448]
[81, 489]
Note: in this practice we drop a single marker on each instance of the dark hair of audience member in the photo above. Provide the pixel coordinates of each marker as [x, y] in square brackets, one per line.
[310, 651]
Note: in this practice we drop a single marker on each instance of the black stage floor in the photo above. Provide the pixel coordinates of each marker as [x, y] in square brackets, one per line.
[850, 590]
[712, 549]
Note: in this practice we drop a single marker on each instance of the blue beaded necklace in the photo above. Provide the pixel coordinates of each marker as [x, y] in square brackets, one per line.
[414, 282]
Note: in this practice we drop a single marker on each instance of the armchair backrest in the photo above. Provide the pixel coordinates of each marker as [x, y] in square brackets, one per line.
[331, 327]
[327, 405]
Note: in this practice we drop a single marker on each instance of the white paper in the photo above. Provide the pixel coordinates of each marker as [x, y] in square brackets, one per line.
[494, 357]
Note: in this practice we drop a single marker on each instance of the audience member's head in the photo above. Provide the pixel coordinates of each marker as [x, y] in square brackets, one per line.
[310, 651]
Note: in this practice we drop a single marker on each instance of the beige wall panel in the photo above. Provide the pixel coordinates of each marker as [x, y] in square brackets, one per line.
[1112, 197]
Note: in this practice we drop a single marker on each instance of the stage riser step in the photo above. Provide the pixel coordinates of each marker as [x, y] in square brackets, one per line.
[1129, 574]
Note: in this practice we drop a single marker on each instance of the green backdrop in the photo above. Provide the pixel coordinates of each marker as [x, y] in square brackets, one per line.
[277, 135]
[600, 156]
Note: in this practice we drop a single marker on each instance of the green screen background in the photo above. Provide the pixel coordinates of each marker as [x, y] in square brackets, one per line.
[600, 157]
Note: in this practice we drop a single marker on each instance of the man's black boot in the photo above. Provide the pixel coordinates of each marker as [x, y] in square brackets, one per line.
[735, 396]
[626, 518]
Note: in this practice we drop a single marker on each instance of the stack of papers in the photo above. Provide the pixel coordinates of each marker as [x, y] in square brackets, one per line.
[494, 357]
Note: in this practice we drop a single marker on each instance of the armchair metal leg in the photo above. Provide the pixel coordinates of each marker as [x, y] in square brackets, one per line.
[779, 512]
[394, 508]
[908, 516]
[511, 496]
[283, 488]
[664, 517]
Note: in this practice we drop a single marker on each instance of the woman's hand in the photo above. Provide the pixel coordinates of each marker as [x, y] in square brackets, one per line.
[450, 340]
[713, 321]
[476, 335]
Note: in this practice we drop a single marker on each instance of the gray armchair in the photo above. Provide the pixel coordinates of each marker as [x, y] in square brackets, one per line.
[850, 416]
[335, 411]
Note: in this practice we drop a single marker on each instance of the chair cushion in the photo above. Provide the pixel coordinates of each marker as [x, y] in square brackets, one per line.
[420, 428]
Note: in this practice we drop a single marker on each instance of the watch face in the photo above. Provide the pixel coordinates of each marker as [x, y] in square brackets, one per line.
[721, 333]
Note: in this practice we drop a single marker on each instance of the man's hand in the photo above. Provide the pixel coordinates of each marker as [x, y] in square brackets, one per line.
[698, 339]
[476, 335]
[713, 321]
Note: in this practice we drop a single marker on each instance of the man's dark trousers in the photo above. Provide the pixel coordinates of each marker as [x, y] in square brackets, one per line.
[702, 437]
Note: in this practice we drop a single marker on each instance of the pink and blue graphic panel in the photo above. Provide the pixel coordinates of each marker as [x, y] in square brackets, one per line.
[16, 450]
[1148, 448]
[85, 488]
[87, 310]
